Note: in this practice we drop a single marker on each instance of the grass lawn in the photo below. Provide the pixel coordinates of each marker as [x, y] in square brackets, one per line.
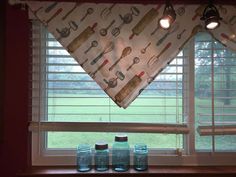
[72, 139]
[97, 109]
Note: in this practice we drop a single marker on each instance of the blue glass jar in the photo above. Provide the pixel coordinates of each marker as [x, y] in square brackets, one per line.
[140, 157]
[101, 156]
[84, 158]
[121, 153]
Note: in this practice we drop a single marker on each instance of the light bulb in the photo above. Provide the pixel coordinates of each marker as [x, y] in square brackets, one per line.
[165, 23]
[212, 25]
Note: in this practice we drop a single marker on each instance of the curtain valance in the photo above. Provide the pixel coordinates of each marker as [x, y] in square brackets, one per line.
[121, 46]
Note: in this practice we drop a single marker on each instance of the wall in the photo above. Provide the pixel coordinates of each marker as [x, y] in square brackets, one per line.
[1, 68]
[14, 92]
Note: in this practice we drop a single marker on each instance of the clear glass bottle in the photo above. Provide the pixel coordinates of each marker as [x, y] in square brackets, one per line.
[101, 156]
[121, 153]
[140, 157]
[84, 158]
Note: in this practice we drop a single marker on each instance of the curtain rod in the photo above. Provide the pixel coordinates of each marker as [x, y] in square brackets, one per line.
[226, 2]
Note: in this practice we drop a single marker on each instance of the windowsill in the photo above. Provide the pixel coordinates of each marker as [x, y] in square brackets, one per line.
[153, 171]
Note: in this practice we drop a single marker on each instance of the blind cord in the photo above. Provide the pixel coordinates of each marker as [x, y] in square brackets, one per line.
[212, 95]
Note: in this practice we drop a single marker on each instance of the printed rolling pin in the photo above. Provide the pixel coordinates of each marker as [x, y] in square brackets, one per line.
[225, 36]
[129, 87]
[81, 38]
[147, 19]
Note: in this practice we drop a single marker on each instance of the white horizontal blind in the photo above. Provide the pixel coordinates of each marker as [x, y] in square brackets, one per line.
[69, 108]
[70, 95]
[59, 94]
[215, 104]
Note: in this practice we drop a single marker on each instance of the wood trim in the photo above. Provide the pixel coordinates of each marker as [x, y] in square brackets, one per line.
[153, 171]
[150, 1]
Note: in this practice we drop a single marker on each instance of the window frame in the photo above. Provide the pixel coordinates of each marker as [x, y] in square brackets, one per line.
[188, 156]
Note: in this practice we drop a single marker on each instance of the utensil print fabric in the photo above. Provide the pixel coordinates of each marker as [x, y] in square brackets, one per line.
[121, 46]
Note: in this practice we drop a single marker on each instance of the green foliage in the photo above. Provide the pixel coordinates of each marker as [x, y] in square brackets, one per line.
[207, 50]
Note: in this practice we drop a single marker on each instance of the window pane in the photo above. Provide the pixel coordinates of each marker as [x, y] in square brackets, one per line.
[72, 139]
[224, 66]
[72, 96]
[226, 143]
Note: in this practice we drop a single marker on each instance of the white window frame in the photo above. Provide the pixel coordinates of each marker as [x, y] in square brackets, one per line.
[43, 157]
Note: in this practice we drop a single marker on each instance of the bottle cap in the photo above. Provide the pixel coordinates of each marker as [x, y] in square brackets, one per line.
[140, 146]
[101, 146]
[84, 147]
[121, 138]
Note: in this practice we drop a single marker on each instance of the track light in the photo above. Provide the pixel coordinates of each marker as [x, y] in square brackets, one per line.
[211, 17]
[168, 17]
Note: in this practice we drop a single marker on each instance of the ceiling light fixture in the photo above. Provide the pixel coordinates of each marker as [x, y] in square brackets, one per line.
[211, 16]
[168, 17]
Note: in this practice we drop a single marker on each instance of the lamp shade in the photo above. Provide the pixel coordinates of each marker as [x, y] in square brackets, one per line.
[211, 17]
[168, 17]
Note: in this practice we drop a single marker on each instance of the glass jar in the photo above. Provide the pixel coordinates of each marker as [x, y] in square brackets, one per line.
[120, 153]
[84, 158]
[140, 157]
[101, 156]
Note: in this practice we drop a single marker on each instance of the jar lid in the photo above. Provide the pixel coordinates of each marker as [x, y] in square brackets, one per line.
[101, 146]
[121, 138]
[84, 147]
[140, 146]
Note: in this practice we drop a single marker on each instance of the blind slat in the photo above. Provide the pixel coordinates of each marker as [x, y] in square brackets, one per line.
[53, 80]
[110, 127]
[217, 130]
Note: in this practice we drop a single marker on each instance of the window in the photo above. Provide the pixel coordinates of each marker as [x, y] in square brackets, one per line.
[215, 91]
[69, 108]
